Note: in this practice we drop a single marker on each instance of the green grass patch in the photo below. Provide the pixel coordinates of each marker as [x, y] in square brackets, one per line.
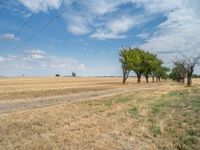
[108, 103]
[111, 102]
[173, 119]
[122, 99]
[188, 142]
[155, 109]
[155, 130]
[178, 94]
[179, 113]
[133, 111]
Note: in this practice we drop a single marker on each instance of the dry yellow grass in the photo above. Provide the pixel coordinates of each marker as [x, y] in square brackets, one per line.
[143, 116]
[16, 88]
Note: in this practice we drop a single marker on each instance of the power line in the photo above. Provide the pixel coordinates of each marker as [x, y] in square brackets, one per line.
[49, 22]
[29, 19]
[53, 19]
[26, 22]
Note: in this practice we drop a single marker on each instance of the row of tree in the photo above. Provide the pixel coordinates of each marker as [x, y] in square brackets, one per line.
[147, 64]
[142, 63]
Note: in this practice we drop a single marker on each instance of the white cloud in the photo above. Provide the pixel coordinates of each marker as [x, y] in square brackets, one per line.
[104, 6]
[41, 5]
[143, 35]
[107, 21]
[103, 35]
[6, 59]
[1, 59]
[122, 24]
[9, 37]
[34, 54]
[114, 28]
[93, 20]
[37, 56]
[37, 51]
[77, 25]
[179, 33]
[82, 67]
[34, 62]
[158, 6]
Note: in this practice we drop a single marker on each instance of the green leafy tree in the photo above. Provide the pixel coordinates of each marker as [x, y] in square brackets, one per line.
[142, 63]
[135, 60]
[156, 70]
[131, 60]
[149, 64]
[123, 58]
[161, 72]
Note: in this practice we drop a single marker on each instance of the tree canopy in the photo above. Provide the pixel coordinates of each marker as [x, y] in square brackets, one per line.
[142, 63]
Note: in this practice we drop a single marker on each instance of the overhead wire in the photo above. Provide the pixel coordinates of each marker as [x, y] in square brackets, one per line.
[26, 22]
[48, 23]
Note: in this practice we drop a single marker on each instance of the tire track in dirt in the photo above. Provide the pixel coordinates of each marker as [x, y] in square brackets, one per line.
[6, 107]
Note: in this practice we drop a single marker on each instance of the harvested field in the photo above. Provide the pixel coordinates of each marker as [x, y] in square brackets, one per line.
[98, 113]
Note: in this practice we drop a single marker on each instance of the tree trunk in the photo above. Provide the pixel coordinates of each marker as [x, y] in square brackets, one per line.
[125, 75]
[153, 79]
[189, 76]
[147, 78]
[157, 79]
[182, 80]
[138, 77]
[189, 80]
[124, 80]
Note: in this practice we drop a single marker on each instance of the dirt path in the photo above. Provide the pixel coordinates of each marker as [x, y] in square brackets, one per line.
[22, 104]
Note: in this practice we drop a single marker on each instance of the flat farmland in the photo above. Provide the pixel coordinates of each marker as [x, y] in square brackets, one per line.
[98, 113]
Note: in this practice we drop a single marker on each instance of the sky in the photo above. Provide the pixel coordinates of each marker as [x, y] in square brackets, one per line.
[86, 38]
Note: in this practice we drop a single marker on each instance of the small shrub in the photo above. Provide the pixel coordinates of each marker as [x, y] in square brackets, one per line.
[73, 74]
[57, 75]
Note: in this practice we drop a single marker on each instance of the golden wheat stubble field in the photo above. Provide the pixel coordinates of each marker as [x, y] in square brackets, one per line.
[98, 113]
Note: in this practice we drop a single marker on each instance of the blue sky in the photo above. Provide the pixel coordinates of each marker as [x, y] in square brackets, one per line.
[87, 38]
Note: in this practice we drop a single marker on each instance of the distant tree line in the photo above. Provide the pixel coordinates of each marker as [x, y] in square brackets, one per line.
[144, 63]
[195, 76]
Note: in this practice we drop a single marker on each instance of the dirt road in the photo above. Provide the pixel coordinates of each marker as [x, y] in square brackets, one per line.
[39, 102]
[54, 100]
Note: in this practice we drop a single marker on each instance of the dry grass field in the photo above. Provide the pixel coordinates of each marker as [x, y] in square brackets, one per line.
[98, 113]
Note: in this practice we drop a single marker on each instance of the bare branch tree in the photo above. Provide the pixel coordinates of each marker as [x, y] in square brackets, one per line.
[189, 64]
[179, 70]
